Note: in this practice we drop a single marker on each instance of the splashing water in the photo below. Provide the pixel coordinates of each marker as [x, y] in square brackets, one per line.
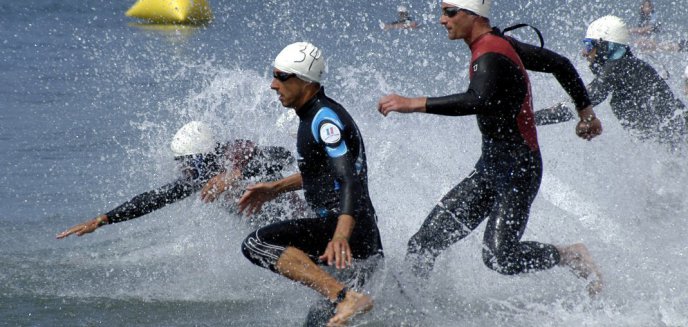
[92, 103]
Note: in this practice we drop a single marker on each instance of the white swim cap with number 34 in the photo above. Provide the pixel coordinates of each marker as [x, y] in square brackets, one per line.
[303, 59]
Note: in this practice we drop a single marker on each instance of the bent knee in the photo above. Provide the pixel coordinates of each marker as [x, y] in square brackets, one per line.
[423, 245]
[245, 248]
[261, 253]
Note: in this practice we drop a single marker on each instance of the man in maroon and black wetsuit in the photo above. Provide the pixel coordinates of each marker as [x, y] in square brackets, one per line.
[507, 176]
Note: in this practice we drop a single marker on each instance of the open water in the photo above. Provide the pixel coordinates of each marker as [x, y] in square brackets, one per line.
[89, 102]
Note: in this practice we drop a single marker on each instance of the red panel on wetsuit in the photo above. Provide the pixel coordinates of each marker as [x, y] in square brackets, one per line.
[490, 43]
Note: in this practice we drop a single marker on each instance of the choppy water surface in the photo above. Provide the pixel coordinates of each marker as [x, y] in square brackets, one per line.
[90, 102]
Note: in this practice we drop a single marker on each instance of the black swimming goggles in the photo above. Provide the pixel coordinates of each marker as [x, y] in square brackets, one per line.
[282, 76]
[452, 11]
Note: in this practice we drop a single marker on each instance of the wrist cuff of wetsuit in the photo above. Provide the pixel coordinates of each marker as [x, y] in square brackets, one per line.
[588, 119]
[101, 221]
[582, 105]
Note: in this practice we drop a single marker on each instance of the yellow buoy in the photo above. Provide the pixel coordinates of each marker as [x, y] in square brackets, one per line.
[172, 11]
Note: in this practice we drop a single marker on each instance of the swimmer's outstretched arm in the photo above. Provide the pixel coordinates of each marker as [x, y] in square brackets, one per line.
[138, 206]
[257, 194]
[555, 114]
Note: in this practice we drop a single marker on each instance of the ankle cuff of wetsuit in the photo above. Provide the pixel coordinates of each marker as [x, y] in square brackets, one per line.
[341, 295]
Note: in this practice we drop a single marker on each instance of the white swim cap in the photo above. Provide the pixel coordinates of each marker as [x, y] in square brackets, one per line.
[402, 9]
[480, 7]
[193, 138]
[303, 59]
[610, 29]
[685, 74]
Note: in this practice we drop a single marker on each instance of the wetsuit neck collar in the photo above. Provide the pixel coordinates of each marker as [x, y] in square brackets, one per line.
[478, 39]
[628, 53]
[306, 108]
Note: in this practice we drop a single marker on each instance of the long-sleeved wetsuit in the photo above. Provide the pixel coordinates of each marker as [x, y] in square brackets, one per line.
[507, 176]
[640, 98]
[263, 163]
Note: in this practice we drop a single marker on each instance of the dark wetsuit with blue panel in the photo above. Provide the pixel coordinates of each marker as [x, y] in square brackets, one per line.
[507, 176]
[332, 162]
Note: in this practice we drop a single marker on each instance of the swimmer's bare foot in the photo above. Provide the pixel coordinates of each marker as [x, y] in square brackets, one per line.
[579, 260]
[354, 303]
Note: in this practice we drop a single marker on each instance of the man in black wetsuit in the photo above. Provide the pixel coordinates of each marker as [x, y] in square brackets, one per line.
[507, 176]
[333, 175]
[204, 166]
[640, 98]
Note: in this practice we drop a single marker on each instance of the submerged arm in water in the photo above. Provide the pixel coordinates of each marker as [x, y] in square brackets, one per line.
[555, 114]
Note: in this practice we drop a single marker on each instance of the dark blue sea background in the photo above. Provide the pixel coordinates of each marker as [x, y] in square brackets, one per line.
[90, 99]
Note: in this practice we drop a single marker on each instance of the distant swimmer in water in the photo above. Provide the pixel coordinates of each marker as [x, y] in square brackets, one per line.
[405, 20]
[640, 98]
[648, 23]
[647, 30]
[507, 176]
[334, 176]
[204, 165]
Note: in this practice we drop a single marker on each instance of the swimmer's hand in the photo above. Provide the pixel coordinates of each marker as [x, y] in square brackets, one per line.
[338, 253]
[84, 228]
[589, 125]
[394, 102]
[255, 196]
[218, 185]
